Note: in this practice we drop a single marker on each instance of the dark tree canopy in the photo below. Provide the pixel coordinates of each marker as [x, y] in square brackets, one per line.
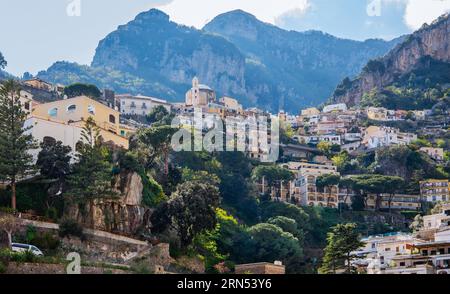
[3, 62]
[159, 115]
[15, 140]
[272, 174]
[271, 243]
[79, 89]
[54, 160]
[191, 211]
[342, 240]
[91, 178]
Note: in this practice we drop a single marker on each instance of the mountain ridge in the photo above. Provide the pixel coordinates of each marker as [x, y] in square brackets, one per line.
[157, 57]
[429, 42]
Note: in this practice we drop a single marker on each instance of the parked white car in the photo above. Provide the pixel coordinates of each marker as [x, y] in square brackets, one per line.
[17, 247]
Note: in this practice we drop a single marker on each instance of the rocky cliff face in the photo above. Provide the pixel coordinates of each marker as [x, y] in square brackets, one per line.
[124, 215]
[295, 68]
[236, 54]
[431, 41]
[152, 44]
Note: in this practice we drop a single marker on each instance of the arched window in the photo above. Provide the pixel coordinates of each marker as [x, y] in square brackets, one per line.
[71, 108]
[112, 119]
[49, 141]
[91, 109]
[53, 112]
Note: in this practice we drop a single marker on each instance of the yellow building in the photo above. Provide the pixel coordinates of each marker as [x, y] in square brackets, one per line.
[39, 84]
[232, 105]
[76, 111]
[310, 111]
[394, 202]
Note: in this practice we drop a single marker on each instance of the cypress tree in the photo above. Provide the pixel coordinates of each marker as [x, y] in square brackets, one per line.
[16, 162]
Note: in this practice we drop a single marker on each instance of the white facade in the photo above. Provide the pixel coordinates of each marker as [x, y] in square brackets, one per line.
[140, 105]
[335, 107]
[375, 137]
[41, 129]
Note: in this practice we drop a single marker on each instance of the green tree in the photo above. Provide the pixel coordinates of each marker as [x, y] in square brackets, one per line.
[54, 160]
[325, 148]
[79, 89]
[288, 225]
[377, 184]
[8, 224]
[16, 162]
[329, 181]
[346, 183]
[158, 142]
[191, 211]
[342, 240]
[341, 160]
[271, 243]
[3, 62]
[393, 185]
[270, 209]
[272, 175]
[417, 224]
[202, 176]
[159, 116]
[152, 194]
[91, 179]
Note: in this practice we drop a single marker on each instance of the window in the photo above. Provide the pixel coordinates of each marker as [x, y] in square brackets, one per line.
[53, 112]
[402, 263]
[71, 108]
[27, 105]
[91, 109]
[112, 119]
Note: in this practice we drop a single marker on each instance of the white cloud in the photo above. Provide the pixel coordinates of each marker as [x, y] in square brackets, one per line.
[199, 12]
[419, 12]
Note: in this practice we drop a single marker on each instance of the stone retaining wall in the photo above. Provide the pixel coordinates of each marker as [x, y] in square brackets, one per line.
[55, 269]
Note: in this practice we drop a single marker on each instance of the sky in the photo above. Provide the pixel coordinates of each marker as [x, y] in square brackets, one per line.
[35, 34]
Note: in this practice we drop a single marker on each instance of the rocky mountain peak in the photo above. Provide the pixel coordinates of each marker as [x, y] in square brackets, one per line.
[152, 15]
[431, 42]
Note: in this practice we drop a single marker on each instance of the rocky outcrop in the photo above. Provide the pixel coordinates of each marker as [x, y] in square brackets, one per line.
[124, 214]
[431, 41]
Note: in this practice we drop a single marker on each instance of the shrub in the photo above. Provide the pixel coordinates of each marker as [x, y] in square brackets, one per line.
[30, 234]
[52, 213]
[3, 267]
[69, 227]
[23, 257]
[46, 242]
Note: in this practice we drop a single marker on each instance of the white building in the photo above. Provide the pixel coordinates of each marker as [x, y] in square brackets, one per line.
[435, 153]
[140, 105]
[335, 108]
[375, 137]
